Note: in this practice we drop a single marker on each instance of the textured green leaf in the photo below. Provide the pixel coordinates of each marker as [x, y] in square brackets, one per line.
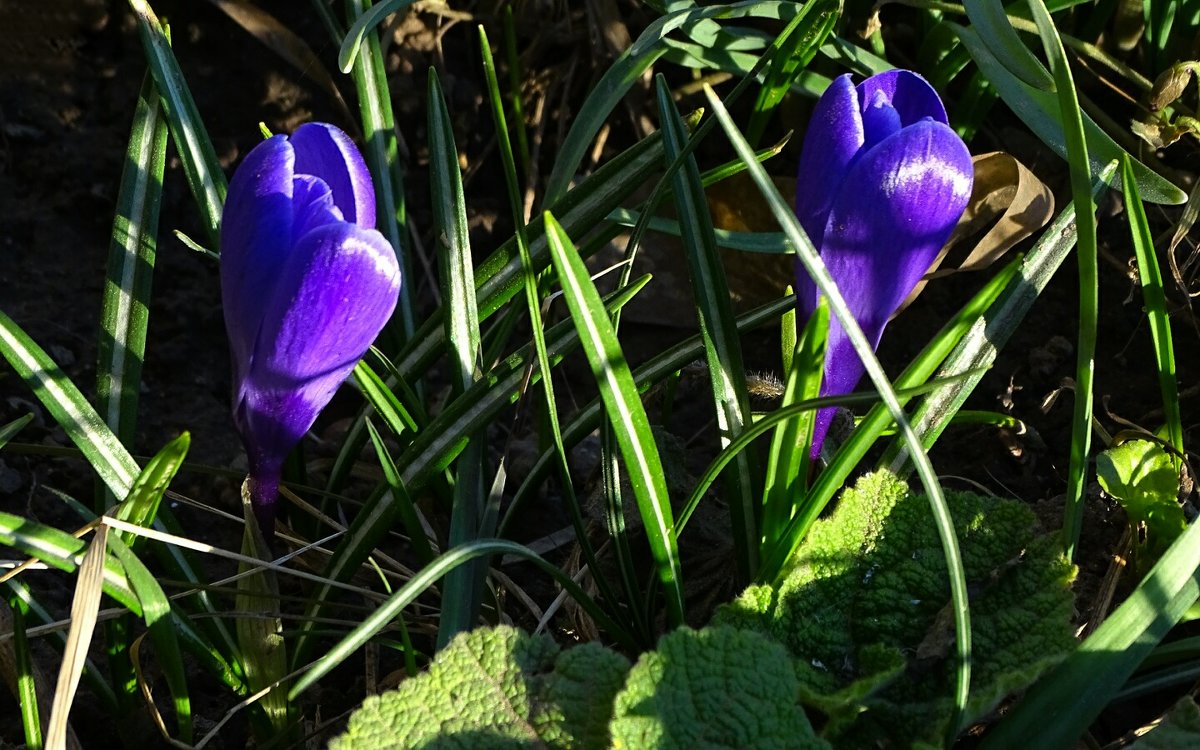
[870, 581]
[496, 689]
[715, 688]
[1179, 730]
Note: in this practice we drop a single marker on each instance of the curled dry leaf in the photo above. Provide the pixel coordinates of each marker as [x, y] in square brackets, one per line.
[1004, 188]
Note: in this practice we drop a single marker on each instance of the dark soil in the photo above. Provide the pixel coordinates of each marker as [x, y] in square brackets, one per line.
[70, 71]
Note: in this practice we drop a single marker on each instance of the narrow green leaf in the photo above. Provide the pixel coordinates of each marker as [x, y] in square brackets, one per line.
[26, 687]
[1156, 306]
[627, 70]
[10, 430]
[126, 307]
[794, 55]
[787, 469]
[501, 276]
[1089, 279]
[200, 165]
[463, 587]
[404, 504]
[141, 505]
[69, 408]
[990, 19]
[655, 371]
[624, 406]
[710, 291]
[348, 53]
[156, 612]
[382, 153]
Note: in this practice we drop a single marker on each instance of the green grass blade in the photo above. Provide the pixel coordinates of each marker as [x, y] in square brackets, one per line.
[200, 165]
[787, 468]
[624, 406]
[426, 577]
[464, 585]
[1156, 307]
[404, 504]
[156, 612]
[796, 52]
[627, 70]
[533, 303]
[990, 20]
[454, 249]
[1087, 253]
[371, 17]
[69, 408]
[126, 307]
[383, 156]
[26, 688]
[10, 430]
[124, 317]
[778, 418]
[710, 291]
[385, 402]
[18, 594]
[141, 504]
[941, 515]
[1060, 706]
[500, 277]
[655, 371]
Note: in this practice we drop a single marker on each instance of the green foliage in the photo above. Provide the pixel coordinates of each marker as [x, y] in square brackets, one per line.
[1179, 730]
[498, 688]
[494, 689]
[717, 688]
[1142, 477]
[866, 613]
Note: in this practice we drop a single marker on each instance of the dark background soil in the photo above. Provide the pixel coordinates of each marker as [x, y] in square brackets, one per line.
[69, 75]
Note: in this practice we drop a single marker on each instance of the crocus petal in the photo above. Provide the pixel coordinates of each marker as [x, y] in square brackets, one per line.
[909, 94]
[312, 205]
[326, 152]
[337, 291]
[880, 119]
[258, 212]
[834, 136]
[893, 212]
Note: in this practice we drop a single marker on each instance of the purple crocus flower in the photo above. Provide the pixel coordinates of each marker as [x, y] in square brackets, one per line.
[307, 284]
[883, 180]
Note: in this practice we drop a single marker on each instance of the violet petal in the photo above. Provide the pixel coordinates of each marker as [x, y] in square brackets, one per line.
[258, 212]
[336, 292]
[326, 152]
[835, 135]
[892, 215]
[909, 94]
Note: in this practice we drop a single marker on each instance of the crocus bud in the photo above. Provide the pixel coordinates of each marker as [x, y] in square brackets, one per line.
[882, 182]
[307, 284]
